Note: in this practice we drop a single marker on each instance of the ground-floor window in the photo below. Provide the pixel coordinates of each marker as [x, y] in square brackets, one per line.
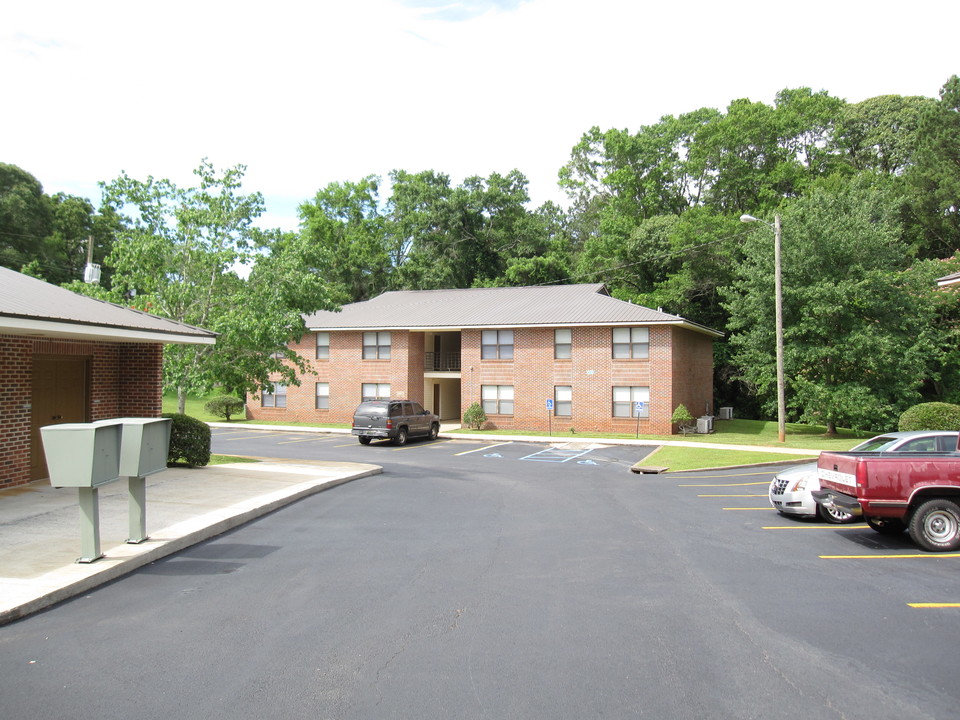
[563, 401]
[631, 401]
[497, 399]
[323, 396]
[277, 398]
[375, 391]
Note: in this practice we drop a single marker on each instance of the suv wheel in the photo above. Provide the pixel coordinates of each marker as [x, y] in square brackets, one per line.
[401, 438]
[434, 431]
[364, 440]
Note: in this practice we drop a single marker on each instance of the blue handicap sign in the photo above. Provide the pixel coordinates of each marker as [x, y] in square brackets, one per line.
[549, 403]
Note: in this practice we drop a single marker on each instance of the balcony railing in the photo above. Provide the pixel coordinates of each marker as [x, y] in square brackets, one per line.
[442, 362]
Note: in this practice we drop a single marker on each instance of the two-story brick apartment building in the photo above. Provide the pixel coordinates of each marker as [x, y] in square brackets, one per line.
[536, 358]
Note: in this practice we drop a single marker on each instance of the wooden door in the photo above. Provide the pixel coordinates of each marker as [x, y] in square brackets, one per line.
[59, 396]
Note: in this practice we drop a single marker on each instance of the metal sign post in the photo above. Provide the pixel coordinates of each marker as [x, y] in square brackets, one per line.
[638, 408]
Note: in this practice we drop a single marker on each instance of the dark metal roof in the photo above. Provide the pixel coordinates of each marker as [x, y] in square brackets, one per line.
[24, 299]
[551, 306]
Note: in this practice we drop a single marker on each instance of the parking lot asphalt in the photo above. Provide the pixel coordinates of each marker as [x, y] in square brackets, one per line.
[40, 525]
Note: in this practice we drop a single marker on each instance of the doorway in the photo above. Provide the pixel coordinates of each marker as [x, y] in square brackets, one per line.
[59, 395]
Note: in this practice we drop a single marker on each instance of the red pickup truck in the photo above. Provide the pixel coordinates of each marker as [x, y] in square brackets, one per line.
[894, 492]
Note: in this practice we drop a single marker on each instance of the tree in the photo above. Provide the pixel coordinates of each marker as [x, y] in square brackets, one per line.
[177, 257]
[881, 134]
[344, 220]
[25, 217]
[452, 237]
[849, 325]
[935, 177]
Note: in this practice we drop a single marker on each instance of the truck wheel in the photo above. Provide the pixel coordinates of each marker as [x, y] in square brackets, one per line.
[434, 431]
[401, 438]
[834, 515]
[364, 440]
[935, 526]
[885, 525]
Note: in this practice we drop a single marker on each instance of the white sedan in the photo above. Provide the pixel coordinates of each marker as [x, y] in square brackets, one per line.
[790, 491]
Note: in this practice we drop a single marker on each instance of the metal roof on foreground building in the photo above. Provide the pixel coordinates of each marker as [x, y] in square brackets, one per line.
[29, 306]
[500, 307]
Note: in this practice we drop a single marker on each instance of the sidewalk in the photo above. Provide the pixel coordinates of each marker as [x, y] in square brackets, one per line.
[40, 525]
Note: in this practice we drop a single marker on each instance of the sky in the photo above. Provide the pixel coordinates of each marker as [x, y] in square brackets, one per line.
[308, 93]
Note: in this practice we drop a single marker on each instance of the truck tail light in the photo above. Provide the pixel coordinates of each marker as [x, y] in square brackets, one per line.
[389, 424]
[861, 473]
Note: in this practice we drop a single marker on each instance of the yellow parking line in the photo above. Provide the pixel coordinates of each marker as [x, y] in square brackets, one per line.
[929, 556]
[727, 485]
[486, 447]
[924, 606]
[814, 527]
[730, 496]
[247, 436]
[296, 440]
[711, 477]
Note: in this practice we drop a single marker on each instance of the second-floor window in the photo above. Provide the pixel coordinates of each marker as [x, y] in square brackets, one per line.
[376, 346]
[496, 345]
[562, 343]
[631, 343]
[323, 346]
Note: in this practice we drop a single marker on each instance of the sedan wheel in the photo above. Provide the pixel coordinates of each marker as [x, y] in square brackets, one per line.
[834, 514]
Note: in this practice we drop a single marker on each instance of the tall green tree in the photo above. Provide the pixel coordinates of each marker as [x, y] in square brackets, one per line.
[178, 257]
[25, 217]
[345, 223]
[934, 177]
[849, 324]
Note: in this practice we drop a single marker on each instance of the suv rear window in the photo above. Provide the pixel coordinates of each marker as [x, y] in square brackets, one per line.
[372, 408]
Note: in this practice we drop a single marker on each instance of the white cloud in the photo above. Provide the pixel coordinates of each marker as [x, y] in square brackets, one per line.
[307, 94]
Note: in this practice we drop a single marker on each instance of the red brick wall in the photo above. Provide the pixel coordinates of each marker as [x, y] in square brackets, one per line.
[125, 381]
[346, 371]
[679, 369]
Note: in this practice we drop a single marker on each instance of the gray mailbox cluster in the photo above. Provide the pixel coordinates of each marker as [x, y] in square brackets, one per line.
[88, 455]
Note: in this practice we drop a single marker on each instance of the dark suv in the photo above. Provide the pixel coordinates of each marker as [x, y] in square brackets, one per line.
[394, 419]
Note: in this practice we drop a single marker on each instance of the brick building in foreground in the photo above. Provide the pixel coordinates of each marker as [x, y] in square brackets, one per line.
[65, 357]
[536, 358]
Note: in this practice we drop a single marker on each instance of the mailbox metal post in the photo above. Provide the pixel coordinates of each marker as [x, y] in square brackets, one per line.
[89, 525]
[137, 488]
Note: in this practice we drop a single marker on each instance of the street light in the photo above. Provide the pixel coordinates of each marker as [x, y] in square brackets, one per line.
[778, 291]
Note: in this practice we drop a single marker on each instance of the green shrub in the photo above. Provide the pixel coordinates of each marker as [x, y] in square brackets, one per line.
[681, 416]
[931, 416]
[474, 417]
[224, 406]
[189, 440]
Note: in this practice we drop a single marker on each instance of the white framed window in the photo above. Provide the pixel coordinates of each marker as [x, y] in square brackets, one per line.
[323, 396]
[631, 343]
[375, 391]
[497, 399]
[323, 346]
[496, 345]
[562, 343]
[277, 398]
[563, 400]
[376, 346]
[625, 399]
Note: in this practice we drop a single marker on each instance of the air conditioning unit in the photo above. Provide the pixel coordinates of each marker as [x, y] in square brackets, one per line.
[705, 424]
[726, 413]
